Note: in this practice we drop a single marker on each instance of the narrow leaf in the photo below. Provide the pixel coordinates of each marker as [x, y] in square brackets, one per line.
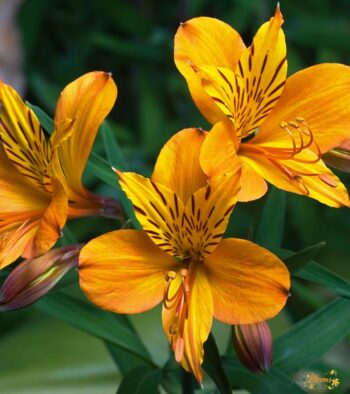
[270, 231]
[272, 382]
[313, 336]
[299, 259]
[140, 380]
[93, 320]
[212, 365]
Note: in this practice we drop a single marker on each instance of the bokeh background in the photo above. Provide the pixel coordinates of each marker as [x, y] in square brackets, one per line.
[44, 44]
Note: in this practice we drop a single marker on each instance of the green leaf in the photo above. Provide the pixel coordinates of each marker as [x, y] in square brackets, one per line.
[313, 336]
[313, 271]
[270, 231]
[316, 273]
[212, 365]
[297, 260]
[110, 327]
[272, 382]
[113, 152]
[140, 380]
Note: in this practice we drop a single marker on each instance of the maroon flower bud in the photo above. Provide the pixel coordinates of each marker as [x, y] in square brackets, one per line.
[33, 278]
[253, 345]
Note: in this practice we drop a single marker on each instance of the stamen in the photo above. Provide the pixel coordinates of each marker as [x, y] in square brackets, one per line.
[327, 179]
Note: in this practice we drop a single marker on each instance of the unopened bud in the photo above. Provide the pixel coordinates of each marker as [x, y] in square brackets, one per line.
[253, 345]
[33, 278]
[339, 157]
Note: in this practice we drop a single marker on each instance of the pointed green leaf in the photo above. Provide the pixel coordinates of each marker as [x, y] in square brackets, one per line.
[141, 380]
[270, 231]
[313, 336]
[299, 259]
[272, 382]
[213, 367]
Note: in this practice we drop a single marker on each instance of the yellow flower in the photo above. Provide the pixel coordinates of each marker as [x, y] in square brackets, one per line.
[280, 127]
[40, 181]
[180, 257]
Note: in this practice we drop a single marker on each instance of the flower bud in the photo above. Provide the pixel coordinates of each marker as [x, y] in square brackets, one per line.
[339, 157]
[33, 278]
[253, 345]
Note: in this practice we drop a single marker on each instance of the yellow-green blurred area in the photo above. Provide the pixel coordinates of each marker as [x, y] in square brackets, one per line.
[63, 39]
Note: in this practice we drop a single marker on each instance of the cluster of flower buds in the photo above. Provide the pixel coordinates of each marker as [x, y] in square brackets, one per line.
[33, 278]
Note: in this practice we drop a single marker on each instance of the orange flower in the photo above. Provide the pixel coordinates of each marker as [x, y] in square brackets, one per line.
[280, 127]
[180, 257]
[40, 181]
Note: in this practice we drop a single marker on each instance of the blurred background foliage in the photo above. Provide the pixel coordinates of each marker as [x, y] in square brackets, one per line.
[63, 39]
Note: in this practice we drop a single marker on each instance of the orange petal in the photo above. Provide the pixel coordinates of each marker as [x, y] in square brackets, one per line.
[253, 186]
[123, 271]
[314, 180]
[318, 94]
[13, 241]
[51, 223]
[218, 155]
[249, 284]
[206, 41]
[159, 210]
[22, 137]
[188, 348]
[86, 101]
[177, 165]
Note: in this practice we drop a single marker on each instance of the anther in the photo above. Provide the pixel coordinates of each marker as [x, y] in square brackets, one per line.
[170, 275]
[173, 329]
[183, 272]
[298, 178]
[328, 180]
[293, 124]
[300, 120]
[179, 349]
[283, 124]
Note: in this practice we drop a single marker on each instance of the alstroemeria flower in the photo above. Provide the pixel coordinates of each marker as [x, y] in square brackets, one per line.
[40, 181]
[180, 257]
[280, 127]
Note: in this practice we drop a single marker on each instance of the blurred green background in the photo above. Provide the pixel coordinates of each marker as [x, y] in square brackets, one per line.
[63, 39]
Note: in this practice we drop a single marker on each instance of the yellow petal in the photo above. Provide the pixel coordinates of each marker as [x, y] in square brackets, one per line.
[314, 180]
[208, 212]
[17, 193]
[22, 137]
[188, 345]
[86, 101]
[123, 271]
[263, 70]
[206, 41]
[249, 284]
[158, 209]
[177, 166]
[51, 223]
[247, 93]
[321, 96]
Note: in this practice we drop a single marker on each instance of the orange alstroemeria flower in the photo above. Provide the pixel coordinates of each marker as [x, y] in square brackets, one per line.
[280, 127]
[40, 181]
[180, 257]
